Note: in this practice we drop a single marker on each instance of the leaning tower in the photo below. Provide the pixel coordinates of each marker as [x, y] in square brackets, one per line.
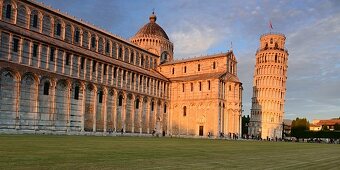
[269, 87]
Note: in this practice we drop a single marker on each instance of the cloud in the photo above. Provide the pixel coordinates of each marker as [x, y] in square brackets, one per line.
[194, 40]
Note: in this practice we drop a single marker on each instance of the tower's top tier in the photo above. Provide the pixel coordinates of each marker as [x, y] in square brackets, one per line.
[272, 41]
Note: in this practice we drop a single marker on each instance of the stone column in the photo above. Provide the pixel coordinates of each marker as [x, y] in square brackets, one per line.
[124, 111]
[83, 91]
[17, 106]
[160, 116]
[53, 104]
[114, 108]
[71, 65]
[94, 108]
[132, 114]
[148, 114]
[10, 39]
[104, 106]
[140, 112]
[63, 62]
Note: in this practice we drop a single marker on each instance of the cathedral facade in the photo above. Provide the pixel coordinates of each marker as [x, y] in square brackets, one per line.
[62, 75]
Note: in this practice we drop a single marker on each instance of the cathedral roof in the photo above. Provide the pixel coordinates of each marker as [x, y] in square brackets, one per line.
[197, 58]
[152, 28]
[214, 75]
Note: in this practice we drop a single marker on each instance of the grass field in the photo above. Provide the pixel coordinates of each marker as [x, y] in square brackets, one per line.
[91, 152]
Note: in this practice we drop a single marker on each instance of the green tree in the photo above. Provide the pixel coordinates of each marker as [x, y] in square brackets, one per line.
[337, 126]
[300, 126]
[245, 124]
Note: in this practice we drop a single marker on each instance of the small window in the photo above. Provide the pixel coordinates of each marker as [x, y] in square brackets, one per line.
[94, 66]
[35, 50]
[131, 57]
[107, 47]
[100, 100]
[271, 41]
[120, 101]
[192, 86]
[58, 29]
[152, 106]
[76, 36]
[8, 11]
[140, 80]
[46, 88]
[137, 103]
[183, 87]
[184, 111]
[15, 44]
[214, 65]
[120, 53]
[93, 42]
[124, 75]
[52, 50]
[164, 108]
[173, 70]
[76, 93]
[199, 67]
[114, 72]
[67, 60]
[82, 63]
[185, 69]
[35, 21]
[209, 85]
[200, 86]
[229, 87]
[105, 67]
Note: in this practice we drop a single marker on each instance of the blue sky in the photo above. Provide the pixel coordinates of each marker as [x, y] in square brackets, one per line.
[200, 27]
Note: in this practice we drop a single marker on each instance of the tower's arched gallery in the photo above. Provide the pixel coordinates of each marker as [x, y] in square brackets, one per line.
[62, 75]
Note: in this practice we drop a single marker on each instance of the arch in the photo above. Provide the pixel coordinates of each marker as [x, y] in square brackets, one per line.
[101, 95]
[22, 16]
[58, 28]
[76, 111]
[89, 107]
[45, 103]
[110, 118]
[129, 107]
[9, 83]
[85, 40]
[164, 57]
[100, 45]
[35, 20]
[119, 117]
[68, 33]
[9, 11]
[28, 101]
[46, 25]
[61, 102]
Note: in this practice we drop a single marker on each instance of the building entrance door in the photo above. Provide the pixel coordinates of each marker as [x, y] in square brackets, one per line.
[201, 131]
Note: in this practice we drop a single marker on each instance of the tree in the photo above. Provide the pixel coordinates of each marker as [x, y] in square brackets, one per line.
[324, 128]
[245, 124]
[299, 127]
[337, 126]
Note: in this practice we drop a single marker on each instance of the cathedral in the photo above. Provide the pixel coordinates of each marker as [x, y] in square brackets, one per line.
[61, 75]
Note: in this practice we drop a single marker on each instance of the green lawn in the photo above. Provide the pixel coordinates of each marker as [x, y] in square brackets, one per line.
[91, 152]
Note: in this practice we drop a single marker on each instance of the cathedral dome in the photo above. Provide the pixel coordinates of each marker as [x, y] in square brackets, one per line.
[152, 28]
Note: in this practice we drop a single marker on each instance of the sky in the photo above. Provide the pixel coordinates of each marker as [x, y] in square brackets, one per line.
[200, 27]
